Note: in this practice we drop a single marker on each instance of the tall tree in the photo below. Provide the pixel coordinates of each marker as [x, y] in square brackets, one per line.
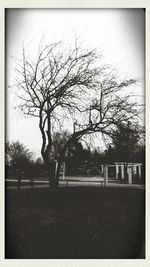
[70, 85]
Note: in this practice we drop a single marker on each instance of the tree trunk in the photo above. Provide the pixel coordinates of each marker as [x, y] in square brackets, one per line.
[50, 167]
[51, 174]
[54, 177]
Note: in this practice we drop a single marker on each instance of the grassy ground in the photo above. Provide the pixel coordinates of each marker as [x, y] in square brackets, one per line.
[75, 223]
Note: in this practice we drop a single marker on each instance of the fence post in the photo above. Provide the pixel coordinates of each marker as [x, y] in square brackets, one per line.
[134, 169]
[63, 171]
[102, 169]
[139, 171]
[122, 171]
[130, 175]
[117, 171]
[105, 175]
[31, 182]
[56, 165]
[19, 182]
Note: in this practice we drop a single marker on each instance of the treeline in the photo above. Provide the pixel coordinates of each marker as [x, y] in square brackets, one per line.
[78, 160]
[19, 161]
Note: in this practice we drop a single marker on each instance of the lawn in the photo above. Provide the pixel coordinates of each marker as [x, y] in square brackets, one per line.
[75, 222]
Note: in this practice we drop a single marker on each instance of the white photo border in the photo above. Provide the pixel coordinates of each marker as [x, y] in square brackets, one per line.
[71, 4]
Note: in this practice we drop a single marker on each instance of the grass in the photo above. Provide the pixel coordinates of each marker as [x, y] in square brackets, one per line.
[79, 223]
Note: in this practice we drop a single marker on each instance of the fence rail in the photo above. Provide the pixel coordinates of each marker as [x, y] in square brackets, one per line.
[132, 171]
[28, 183]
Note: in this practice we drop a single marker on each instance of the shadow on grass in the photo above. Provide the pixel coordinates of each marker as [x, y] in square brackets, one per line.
[100, 223]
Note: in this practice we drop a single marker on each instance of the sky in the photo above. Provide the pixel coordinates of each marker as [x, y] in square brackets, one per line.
[117, 33]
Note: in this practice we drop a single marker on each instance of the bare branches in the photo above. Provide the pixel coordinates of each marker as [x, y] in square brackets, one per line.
[68, 85]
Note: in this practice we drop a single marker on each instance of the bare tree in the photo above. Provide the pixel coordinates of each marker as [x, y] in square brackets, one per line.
[68, 85]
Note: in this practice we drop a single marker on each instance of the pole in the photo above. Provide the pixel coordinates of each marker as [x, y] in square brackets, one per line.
[19, 182]
[134, 169]
[130, 175]
[56, 165]
[32, 182]
[122, 171]
[117, 171]
[105, 175]
[63, 170]
[139, 171]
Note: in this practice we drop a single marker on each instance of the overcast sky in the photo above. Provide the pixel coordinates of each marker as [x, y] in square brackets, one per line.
[118, 33]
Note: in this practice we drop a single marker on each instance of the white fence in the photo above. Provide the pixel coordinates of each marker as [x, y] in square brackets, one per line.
[131, 169]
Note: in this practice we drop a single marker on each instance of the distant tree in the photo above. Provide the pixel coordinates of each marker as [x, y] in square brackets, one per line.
[17, 155]
[127, 146]
[69, 85]
[139, 153]
[99, 156]
[125, 141]
[76, 155]
[38, 168]
[111, 155]
[39, 161]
